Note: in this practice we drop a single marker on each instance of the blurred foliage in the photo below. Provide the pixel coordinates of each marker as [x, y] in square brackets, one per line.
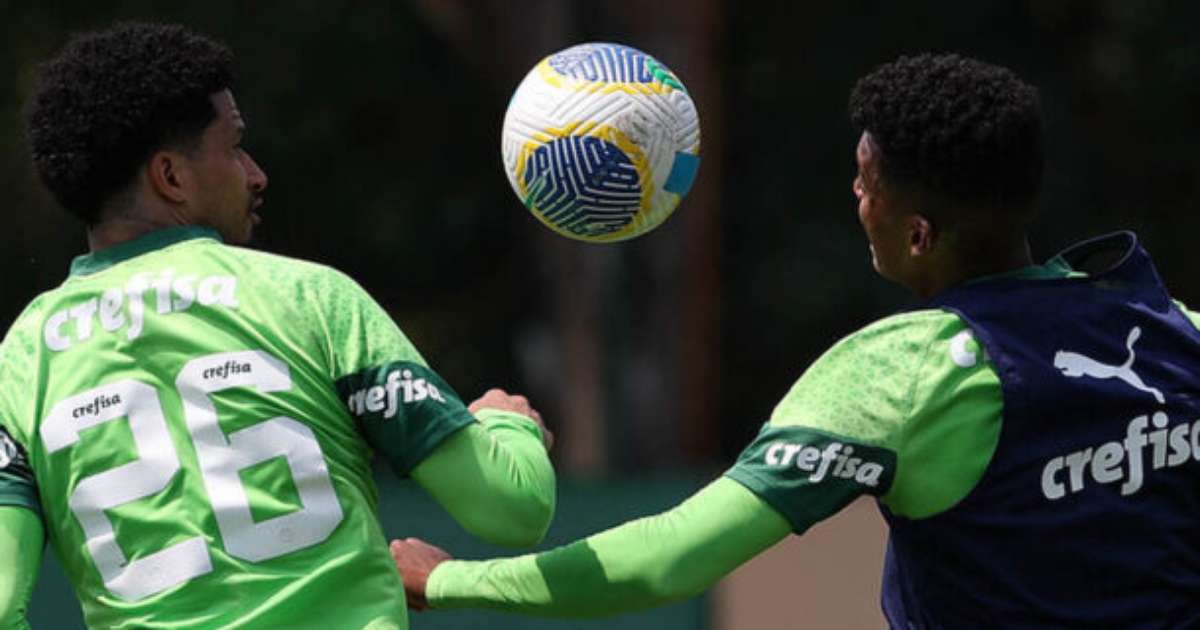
[1119, 82]
[381, 141]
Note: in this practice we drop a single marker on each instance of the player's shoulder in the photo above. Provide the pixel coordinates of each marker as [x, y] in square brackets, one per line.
[865, 385]
[19, 349]
[314, 279]
[908, 347]
[25, 329]
[889, 343]
[899, 336]
[286, 266]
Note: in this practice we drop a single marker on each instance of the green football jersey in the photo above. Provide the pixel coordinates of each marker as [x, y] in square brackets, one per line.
[907, 409]
[198, 422]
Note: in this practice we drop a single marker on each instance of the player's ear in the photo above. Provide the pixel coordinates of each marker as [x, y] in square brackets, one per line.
[168, 175]
[922, 235]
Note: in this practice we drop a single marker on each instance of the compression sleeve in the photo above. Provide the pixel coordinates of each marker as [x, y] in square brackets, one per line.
[641, 564]
[21, 540]
[495, 478]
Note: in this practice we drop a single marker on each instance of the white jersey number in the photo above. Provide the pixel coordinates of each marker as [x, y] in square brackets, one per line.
[221, 458]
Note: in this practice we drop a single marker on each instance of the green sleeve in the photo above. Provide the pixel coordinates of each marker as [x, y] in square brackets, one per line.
[809, 475]
[906, 409]
[403, 408]
[355, 332]
[495, 478]
[641, 564]
[21, 542]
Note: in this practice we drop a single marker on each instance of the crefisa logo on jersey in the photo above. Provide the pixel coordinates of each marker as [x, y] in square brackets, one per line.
[400, 386]
[1124, 460]
[124, 307]
[835, 460]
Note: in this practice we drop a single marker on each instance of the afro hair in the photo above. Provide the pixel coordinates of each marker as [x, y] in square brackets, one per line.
[967, 132]
[111, 99]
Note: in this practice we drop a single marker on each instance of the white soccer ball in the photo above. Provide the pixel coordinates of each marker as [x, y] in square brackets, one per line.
[601, 142]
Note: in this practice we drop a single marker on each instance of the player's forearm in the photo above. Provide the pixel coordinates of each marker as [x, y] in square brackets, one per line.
[495, 479]
[21, 540]
[521, 480]
[641, 564]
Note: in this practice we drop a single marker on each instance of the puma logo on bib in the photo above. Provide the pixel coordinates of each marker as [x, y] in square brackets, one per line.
[1075, 365]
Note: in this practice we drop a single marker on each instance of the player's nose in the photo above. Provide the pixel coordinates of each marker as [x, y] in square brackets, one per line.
[256, 176]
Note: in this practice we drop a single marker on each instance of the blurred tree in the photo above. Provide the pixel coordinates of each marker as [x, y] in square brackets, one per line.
[633, 353]
[379, 123]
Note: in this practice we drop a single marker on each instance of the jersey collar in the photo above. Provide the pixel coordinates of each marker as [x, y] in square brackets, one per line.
[1052, 269]
[99, 261]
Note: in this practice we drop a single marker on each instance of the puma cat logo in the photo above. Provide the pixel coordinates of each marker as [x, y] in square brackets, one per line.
[1075, 365]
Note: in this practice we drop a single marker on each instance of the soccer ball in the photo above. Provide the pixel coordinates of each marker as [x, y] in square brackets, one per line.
[601, 142]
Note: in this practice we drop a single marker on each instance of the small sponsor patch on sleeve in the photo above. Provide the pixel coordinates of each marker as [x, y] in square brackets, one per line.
[810, 475]
[17, 485]
[404, 409]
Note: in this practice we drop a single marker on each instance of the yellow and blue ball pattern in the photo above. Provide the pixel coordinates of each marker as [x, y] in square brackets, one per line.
[601, 142]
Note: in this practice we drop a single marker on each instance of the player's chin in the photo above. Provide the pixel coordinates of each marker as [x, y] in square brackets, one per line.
[252, 221]
[244, 231]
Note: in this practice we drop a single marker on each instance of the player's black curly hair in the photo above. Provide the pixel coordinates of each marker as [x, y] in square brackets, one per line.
[963, 130]
[111, 98]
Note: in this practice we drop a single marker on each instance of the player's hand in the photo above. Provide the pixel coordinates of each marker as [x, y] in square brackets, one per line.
[496, 398]
[416, 559]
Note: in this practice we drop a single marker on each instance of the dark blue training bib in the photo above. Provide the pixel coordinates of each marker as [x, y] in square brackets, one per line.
[1089, 512]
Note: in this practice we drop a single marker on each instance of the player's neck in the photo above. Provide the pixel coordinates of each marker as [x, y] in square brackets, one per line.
[983, 261]
[126, 225]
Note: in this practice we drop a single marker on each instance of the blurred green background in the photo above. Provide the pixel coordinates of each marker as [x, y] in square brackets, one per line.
[378, 124]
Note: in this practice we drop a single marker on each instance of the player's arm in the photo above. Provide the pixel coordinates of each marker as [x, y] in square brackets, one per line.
[489, 470]
[641, 564]
[21, 540]
[847, 428]
[787, 479]
[21, 533]
[494, 476]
